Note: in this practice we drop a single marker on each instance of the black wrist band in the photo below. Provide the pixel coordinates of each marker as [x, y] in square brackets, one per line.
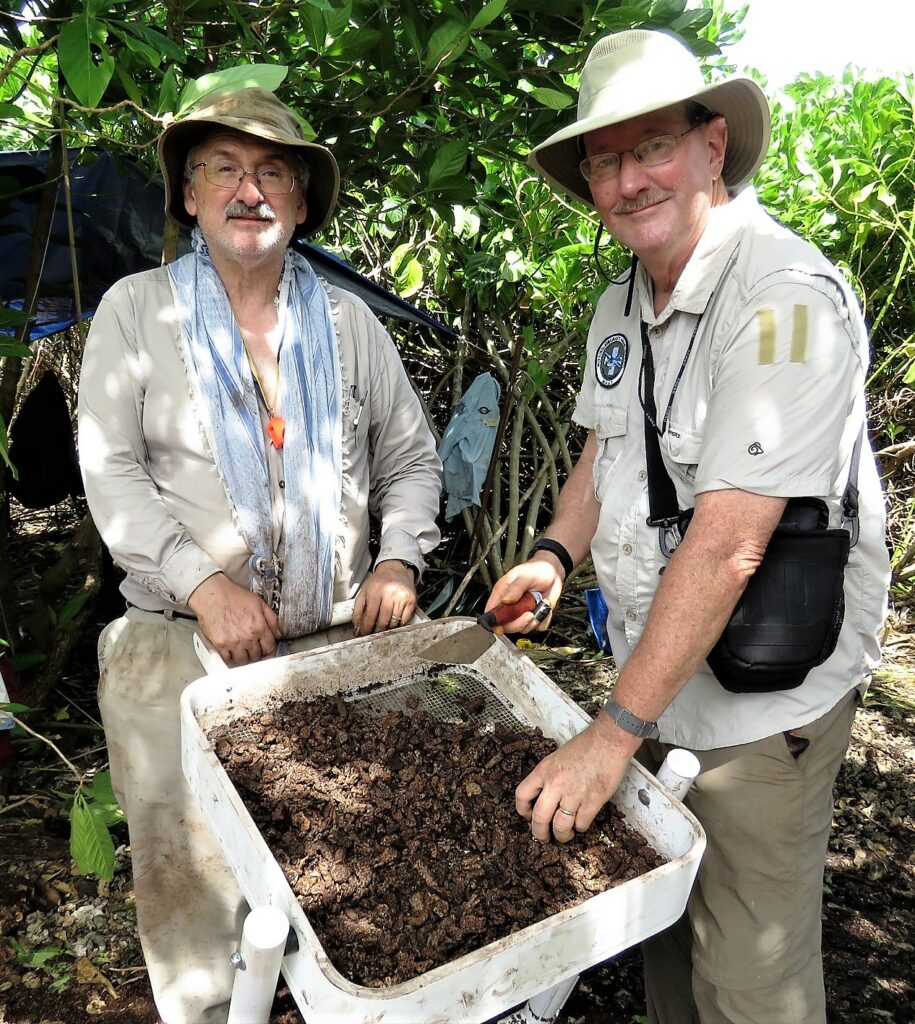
[557, 549]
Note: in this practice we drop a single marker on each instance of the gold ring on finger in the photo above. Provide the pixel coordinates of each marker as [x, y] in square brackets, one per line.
[571, 814]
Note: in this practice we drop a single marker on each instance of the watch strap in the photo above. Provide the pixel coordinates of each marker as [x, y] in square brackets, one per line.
[631, 723]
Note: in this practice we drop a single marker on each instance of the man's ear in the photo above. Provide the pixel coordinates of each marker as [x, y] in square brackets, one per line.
[190, 200]
[301, 209]
[717, 132]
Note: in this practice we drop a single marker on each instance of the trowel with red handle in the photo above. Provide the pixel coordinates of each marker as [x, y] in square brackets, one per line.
[466, 645]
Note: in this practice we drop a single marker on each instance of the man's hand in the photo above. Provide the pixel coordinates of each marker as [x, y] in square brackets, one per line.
[568, 788]
[543, 574]
[237, 623]
[386, 599]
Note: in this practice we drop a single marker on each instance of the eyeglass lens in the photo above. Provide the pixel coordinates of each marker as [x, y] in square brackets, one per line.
[272, 179]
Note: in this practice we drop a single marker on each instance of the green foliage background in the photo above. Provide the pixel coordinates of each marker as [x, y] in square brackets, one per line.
[431, 107]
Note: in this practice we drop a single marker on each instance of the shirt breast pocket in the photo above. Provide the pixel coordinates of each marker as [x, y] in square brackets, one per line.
[682, 450]
[610, 433]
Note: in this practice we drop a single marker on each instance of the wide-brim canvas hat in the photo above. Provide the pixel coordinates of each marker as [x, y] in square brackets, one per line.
[636, 72]
[258, 113]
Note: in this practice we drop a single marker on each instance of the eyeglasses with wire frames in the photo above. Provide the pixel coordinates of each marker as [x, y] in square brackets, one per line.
[272, 179]
[650, 153]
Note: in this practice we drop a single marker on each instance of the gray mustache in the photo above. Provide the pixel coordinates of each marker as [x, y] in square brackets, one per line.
[262, 211]
[640, 202]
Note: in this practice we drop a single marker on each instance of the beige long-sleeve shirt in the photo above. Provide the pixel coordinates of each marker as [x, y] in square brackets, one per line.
[151, 481]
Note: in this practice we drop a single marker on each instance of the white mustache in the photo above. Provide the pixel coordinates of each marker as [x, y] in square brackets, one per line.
[640, 202]
[262, 211]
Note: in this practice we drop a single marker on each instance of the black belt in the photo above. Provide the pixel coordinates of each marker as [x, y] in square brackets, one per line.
[167, 612]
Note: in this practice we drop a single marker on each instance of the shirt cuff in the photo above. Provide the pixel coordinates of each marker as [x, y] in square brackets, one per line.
[183, 573]
[402, 546]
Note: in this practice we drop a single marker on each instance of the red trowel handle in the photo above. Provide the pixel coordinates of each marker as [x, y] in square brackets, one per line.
[505, 613]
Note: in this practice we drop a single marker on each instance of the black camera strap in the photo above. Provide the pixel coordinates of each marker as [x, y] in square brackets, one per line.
[664, 508]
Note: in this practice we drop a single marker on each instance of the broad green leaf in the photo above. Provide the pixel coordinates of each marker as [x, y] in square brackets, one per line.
[552, 98]
[263, 76]
[406, 270]
[26, 659]
[13, 318]
[338, 18]
[71, 609]
[157, 41]
[487, 14]
[666, 10]
[91, 845]
[466, 222]
[101, 789]
[129, 85]
[87, 78]
[449, 162]
[152, 56]
[102, 799]
[447, 43]
[168, 92]
[14, 709]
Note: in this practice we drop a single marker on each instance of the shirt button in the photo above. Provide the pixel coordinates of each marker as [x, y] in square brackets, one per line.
[674, 451]
[282, 485]
[627, 549]
[631, 616]
[642, 474]
[656, 332]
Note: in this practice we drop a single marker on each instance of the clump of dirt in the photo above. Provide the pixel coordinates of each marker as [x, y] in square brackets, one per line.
[399, 835]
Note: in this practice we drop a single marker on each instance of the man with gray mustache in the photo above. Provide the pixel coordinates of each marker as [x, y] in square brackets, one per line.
[237, 415]
[725, 376]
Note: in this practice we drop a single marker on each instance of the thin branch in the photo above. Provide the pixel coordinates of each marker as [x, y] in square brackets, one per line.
[44, 739]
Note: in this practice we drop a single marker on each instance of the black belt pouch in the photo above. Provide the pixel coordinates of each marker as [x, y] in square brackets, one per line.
[788, 619]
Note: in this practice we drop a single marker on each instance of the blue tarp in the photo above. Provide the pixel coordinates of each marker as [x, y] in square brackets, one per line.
[118, 222]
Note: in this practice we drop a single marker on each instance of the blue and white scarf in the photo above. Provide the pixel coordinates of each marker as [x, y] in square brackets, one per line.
[226, 402]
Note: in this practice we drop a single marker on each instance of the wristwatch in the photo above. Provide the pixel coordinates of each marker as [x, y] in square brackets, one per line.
[631, 723]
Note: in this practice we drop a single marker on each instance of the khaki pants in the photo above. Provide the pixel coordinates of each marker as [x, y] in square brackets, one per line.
[748, 950]
[189, 908]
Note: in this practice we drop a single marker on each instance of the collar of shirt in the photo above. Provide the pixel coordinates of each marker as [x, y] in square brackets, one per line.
[711, 256]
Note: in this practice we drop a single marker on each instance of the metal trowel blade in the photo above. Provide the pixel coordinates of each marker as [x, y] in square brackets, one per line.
[462, 647]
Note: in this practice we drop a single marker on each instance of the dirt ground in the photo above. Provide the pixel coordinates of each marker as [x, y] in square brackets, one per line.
[69, 952]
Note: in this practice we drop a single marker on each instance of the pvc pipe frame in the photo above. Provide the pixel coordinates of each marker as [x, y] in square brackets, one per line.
[257, 964]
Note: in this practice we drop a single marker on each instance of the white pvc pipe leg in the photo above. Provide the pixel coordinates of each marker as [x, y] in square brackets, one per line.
[679, 771]
[257, 965]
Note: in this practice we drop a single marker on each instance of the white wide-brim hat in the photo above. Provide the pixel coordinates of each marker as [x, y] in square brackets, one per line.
[258, 113]
[631, 73]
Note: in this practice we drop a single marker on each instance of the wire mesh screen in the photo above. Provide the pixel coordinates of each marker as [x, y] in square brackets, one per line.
[449, 693]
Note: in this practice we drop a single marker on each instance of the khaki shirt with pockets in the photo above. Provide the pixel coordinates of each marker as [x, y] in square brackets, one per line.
[151, 481]
[760, 359]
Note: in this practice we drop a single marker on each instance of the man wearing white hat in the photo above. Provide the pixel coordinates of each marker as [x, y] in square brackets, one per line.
[237, 416]
[725, 375]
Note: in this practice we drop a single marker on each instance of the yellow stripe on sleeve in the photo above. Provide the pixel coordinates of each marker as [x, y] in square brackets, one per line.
[765, 319]
[799, 335]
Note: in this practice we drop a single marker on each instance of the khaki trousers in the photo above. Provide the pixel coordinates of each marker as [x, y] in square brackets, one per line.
[190, 910]
[748, 950]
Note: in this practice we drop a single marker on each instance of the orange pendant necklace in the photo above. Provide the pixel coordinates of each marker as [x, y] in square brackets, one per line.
[276, 425]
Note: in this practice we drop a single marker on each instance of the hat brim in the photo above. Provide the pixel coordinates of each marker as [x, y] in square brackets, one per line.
[740, 100]
[323, 182]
